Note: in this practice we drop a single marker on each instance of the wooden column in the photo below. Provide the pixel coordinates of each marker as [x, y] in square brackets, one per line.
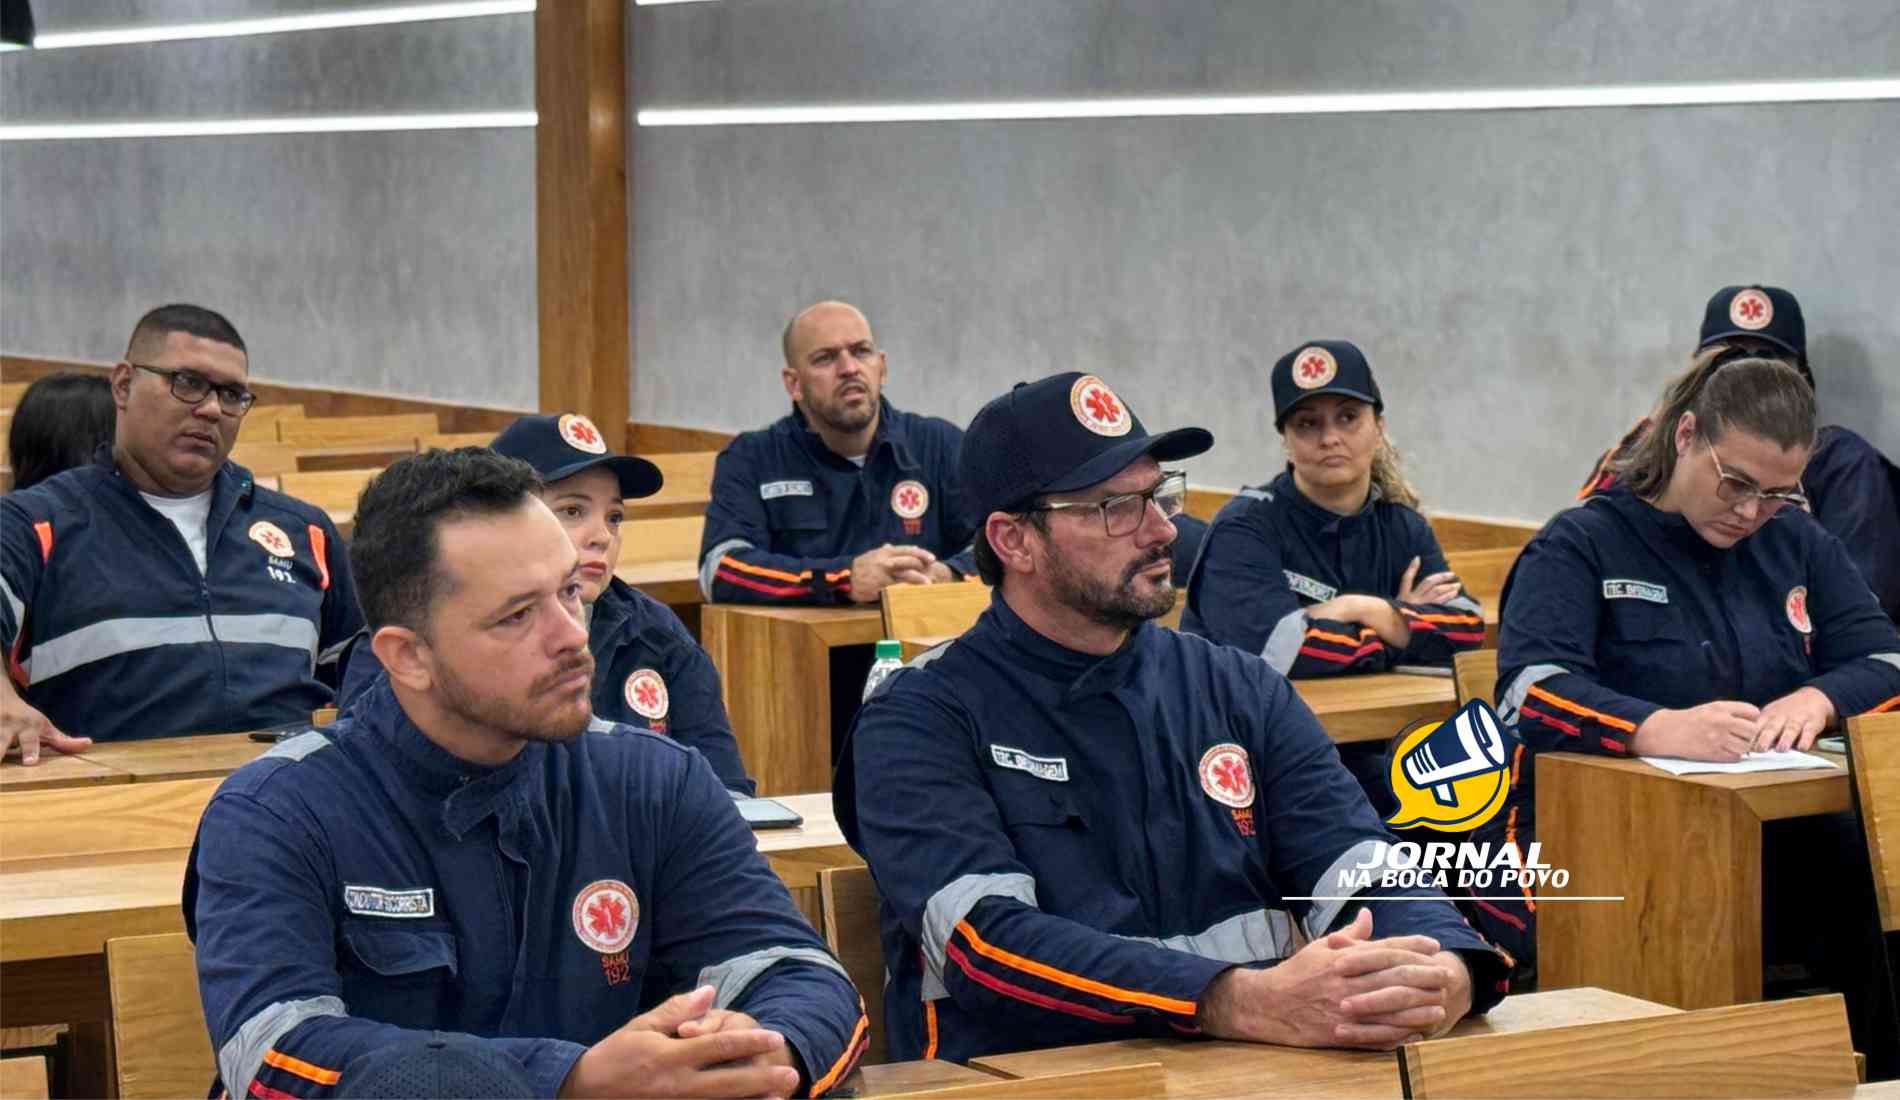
[580, 210]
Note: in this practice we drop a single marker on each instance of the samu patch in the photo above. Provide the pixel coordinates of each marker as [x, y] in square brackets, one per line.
[1055, 769]
[374, 901]
[1308, 587]
[1635, 590]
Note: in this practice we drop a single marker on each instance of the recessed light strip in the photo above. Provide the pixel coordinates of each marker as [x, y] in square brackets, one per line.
[227, 127]
[1509, 99]
[280, 24]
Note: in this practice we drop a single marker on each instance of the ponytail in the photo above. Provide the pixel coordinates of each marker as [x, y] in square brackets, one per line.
[1725, 388]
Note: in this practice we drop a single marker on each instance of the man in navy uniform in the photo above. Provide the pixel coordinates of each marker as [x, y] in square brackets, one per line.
[843, 497]
[460, 853]
[160, 591]
[1084, 826]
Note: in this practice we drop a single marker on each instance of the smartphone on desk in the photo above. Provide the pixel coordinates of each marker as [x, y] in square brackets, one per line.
[281, 733]
[763, 813]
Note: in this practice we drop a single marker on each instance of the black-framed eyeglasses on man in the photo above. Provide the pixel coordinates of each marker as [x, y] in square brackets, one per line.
[1122, 514]
[192, 388]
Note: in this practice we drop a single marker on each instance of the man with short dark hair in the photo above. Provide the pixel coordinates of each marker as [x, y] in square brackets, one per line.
[1084, 826]
[468, 851]
[159, 590]
[846, 495]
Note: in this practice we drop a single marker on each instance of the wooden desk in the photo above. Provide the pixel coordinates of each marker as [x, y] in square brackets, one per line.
[363, 456]
[1220, 1068]
[56, 769]
[674, 582]
[797, 855]
[1685, 854]
[1374, 707]
[1377, 706]
[892, 1077]
[775, 666]
[204, 756]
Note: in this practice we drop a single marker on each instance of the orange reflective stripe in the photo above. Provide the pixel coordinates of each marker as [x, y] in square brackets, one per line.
[1446, 618]
[301, 1068]
[323, 564]
[761, 571]
[1886, 706]
[44, 529]
[1073, 981]
[1314, 632]
[841, 574]
[849, 1058]
[1579, 709]
[930, 1029]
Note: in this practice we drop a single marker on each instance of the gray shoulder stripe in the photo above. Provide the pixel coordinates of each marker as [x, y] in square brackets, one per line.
[1510, 699]
[1283, 645]
[948, 907]
[298, 747]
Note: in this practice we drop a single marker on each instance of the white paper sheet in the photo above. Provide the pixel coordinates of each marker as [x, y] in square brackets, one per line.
[1753, 762]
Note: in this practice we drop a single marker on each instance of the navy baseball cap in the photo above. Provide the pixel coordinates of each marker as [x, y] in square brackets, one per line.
[560, 445]
[1322, 366]
[1763, 312]
[1056, 435]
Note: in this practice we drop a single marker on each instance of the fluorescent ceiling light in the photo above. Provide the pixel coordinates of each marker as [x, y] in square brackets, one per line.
[225, 127]
[1630, 95]
[280, 24]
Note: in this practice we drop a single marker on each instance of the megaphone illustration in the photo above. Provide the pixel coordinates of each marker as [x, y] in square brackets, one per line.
[1470, 744]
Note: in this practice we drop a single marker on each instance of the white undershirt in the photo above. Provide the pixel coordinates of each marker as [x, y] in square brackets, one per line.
[857, 460]
[189, 515]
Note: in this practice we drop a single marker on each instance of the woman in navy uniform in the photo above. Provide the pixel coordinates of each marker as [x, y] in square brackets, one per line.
[1694, 610]
[1329, 568]
[649, 670]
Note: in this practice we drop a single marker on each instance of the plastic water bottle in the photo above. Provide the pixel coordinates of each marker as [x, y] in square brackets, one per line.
[888, 658]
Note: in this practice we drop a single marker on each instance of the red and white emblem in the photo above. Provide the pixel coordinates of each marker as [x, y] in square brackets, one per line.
[910, 499]
[580, 434]
[1314, 367]
[1798, 609]
[272, 538]
[646, 694]
[606, 915]
[1097, 407]
[1750, 309]
[1226, 777]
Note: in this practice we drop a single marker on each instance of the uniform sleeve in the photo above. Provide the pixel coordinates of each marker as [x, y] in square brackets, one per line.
[1547, 641]
[934, 839]
[1855, 645]
[1857, 504]
[960, 525]
[342, 618]
[256, 905]
[1317, 827]
[728, 922]
[1439, 630]
[736, 564]
[24, 547]
[1238, 595]
[697, 710]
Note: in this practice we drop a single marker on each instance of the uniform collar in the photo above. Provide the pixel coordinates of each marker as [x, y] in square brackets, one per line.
[1084, 673]
[890, 432]
[1670, 527]
[1324, 518]
[465, 793]
[231, 486]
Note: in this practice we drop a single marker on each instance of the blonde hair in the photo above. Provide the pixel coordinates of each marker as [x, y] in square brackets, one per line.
[1725, 388]
[1387, 476]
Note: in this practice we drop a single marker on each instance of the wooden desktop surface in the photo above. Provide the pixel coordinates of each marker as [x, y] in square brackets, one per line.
[1684, 853]
[56, 769]
[200, 757]
[672, 582]
[1220, 1068]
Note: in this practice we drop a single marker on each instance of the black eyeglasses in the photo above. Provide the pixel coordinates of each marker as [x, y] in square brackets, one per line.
[192, 388]
[1122, 514]
[1733, 490]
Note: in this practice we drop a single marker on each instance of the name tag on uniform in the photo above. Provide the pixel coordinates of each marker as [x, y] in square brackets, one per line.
[772, 490]
[374, 901]
[1053, 768]
[1635, 590]
[1308, 587]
